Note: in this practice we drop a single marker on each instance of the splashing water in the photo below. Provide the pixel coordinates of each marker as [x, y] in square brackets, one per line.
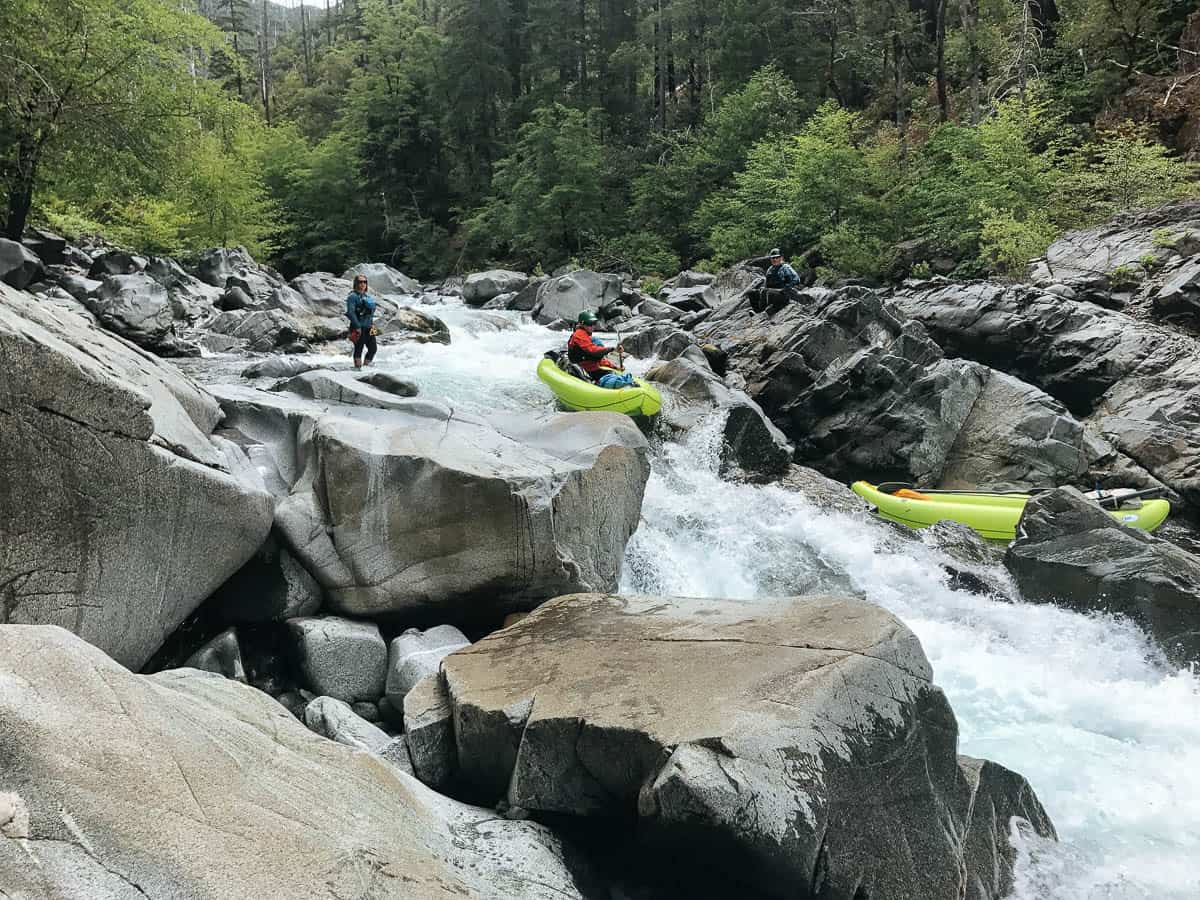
[1082, 705]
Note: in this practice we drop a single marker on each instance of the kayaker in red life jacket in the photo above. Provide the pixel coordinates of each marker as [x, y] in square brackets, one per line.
[585, 350]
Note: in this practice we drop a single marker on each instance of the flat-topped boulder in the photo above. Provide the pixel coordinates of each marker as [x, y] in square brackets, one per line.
[424, 509]
[800, 741]
[480, 287]
[188, 785]
[126, 512]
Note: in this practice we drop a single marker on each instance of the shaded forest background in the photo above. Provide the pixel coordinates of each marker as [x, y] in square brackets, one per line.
[869, 138]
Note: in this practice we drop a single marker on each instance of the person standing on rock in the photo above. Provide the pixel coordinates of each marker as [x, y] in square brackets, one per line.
[360, 310]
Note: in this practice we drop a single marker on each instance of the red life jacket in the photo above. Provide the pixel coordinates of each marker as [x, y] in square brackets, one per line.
[585, 351]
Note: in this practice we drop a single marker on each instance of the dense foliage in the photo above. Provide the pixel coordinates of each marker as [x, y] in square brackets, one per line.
[867, 137]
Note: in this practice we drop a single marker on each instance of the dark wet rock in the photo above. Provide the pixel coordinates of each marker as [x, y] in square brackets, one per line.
[222, 656]
[19, 266]
[116, 262]
[854, 385]
[429, 727]
[1070, 551]
[389, 383]
[272, 586]
[1138, 383]
[750, 443]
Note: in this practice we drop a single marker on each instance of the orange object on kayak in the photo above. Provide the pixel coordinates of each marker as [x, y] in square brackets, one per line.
[910, 494]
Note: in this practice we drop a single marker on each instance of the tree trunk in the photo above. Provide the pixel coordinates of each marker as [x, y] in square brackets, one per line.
[20, 196]
[264, 62]
[328, 25]
[943, 101]
[969, 10]
[583, 69]
[898, 93]
[307, 49]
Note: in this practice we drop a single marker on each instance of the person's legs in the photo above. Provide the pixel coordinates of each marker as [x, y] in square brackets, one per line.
[364, 335]
[372, 346]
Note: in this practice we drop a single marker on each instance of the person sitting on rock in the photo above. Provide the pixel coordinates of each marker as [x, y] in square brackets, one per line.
[588, 353]
[780, 275]
[360, 310]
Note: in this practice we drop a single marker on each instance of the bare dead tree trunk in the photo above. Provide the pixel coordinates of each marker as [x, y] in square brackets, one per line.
[305, 46]
[264, 64]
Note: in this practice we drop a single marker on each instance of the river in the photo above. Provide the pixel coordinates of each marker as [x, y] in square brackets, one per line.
[1108, 735]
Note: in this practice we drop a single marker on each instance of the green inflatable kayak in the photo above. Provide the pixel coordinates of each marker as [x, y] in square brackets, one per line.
[994, 516]
[579, 395]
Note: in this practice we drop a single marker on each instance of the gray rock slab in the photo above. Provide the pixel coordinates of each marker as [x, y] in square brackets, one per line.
[801, 739]
[127, 512]
[566, 296]
[221, 793]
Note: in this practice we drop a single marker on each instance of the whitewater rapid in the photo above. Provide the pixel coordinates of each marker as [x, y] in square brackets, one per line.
[1083, 706]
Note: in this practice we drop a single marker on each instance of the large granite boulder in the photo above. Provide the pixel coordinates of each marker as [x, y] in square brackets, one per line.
[1138, 383]
[526, 298]
[185, 785]
[854, 384]
[431, 511]
[19, 266]
[134, 306]
[345, 387]
[800, 742]
[222, 656]
[429, 729]
[323, 292]
[566, 296]
[119, 512]
[480, 287]
[383, 279]
[750, 442]
[1068, 550]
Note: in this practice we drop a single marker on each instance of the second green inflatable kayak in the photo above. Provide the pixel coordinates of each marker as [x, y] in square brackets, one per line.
[993, 516]
[580, 395]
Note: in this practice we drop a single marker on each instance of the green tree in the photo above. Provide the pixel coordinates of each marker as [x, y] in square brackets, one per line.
[90, 85]
[547, 199]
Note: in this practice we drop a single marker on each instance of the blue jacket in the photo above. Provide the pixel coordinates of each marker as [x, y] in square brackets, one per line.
[360, 310]
[782, 275]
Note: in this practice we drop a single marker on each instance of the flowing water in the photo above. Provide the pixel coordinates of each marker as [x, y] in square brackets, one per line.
[1108, 735]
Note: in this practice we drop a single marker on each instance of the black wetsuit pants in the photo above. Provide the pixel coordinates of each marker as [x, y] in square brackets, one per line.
[365, 340]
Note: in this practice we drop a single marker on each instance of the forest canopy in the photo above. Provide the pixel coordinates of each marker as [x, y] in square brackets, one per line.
[869, 138]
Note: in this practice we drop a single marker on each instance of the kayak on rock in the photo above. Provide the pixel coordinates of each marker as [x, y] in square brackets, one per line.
[583, 395]
[995, 515]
